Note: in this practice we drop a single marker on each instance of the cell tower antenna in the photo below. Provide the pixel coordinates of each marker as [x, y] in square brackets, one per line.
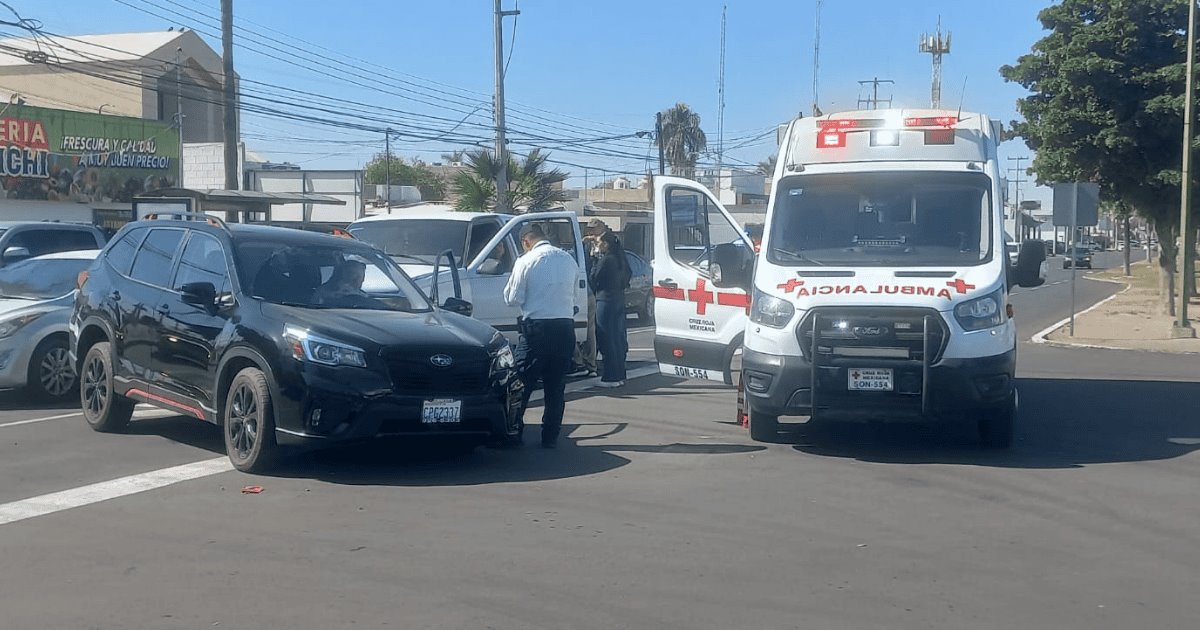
[816, 111]
[721, 102]
[868, 94]
[936, 45]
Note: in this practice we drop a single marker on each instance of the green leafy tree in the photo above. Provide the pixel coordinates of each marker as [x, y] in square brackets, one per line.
[682, 139]
[1106, 105]
[454, 157]
[405, 173]
[532, 185]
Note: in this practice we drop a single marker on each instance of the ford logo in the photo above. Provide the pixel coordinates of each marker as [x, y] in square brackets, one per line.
[441, 360]
[870, 331]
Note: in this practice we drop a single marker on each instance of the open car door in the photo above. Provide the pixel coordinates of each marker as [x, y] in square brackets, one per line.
[490, 271]
[703, 263]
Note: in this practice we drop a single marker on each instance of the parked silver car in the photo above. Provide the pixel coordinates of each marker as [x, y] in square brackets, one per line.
[36, 297]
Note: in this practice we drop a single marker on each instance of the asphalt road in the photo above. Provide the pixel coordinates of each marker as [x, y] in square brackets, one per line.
[657, 512]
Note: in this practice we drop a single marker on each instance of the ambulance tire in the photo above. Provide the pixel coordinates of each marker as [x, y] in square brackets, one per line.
[763, 427]
[996, 425]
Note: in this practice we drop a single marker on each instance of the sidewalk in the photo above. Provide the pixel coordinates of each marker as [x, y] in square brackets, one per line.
[1130, 320]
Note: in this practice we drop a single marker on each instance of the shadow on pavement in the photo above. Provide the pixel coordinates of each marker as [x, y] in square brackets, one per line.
[1062, 424]
[19, 400]
[182, 429]
[432, 462]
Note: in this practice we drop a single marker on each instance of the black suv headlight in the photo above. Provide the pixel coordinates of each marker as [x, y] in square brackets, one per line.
[981, 313]
[315, 349]
[502, 353]
[769, 310]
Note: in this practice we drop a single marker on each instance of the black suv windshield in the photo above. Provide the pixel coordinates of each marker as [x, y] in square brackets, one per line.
[882, 219]
[41, 279]
[419, 240]
[328, 276]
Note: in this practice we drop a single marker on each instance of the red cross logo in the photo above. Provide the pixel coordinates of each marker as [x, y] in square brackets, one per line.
[855, 375]
[791, 285]
[960, 286]
[739, 300]
[701, 296]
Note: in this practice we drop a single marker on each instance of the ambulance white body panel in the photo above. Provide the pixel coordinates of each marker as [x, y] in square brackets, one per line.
[879, 288]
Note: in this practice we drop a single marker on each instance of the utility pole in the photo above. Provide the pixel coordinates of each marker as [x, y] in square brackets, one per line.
[662, 162]
[178, 111]
[1018, 215]
[501, 146]
[387, 168]
[816, 111]
[872, 101]
[1183, 328]
[721, 104]
[230, 103]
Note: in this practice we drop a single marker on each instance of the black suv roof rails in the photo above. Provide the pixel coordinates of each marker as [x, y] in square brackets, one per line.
[183, 216]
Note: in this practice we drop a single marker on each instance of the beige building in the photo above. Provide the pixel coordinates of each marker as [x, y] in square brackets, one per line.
[129, 74]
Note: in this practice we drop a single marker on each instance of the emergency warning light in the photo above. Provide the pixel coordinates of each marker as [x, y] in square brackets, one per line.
[830, 139]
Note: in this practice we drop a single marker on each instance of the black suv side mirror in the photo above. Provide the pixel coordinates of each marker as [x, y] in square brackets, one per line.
[458, 305]
[1028, 270]
[202, 294]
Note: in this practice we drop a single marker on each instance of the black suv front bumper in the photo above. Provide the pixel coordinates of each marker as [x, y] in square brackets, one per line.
[783, 386]
[319, 404]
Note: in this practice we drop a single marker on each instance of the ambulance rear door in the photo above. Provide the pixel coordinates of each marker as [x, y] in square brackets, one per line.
[703, 264]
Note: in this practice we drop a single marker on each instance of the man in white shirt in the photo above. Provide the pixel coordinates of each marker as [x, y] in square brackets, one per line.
[543, 286]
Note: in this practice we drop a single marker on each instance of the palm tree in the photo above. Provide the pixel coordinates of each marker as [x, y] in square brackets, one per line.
[682, 139]
[531, 187]
[454, 157]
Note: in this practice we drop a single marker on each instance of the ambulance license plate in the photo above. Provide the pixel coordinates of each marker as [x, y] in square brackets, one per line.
[869, 379]
[442, 411]
[687, 372]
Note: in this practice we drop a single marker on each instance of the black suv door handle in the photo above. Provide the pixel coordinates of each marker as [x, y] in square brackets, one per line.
[115, 296]
[668, 283]
[164, 309]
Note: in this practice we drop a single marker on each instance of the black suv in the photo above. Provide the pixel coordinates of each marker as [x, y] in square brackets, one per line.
[282, 337]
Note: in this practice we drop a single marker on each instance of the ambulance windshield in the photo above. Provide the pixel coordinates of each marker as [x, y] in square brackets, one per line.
[893, 219]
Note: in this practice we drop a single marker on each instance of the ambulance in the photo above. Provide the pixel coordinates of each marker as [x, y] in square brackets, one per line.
[879, 290]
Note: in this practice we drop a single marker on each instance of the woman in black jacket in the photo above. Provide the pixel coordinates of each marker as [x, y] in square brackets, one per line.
[610, 277]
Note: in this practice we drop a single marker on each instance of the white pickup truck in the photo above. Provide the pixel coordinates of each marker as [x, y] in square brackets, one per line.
[485, 246]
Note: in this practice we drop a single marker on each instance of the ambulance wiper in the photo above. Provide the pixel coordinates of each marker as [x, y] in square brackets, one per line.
[797, 257]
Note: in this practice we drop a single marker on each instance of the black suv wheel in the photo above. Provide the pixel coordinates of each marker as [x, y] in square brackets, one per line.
[103, 408]
[250, 422]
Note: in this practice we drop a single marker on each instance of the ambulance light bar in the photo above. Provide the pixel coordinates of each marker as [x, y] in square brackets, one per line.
[931, 121]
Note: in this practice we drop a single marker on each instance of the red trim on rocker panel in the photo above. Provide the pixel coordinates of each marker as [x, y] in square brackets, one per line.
[166, 401]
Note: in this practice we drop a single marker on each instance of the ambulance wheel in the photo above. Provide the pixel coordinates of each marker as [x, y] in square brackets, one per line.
[996, 425]
[763, 427]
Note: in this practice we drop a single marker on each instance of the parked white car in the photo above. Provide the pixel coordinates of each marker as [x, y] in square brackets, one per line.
[485, 246]
[36, 297]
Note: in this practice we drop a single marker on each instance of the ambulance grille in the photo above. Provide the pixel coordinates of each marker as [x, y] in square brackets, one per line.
[873, 332]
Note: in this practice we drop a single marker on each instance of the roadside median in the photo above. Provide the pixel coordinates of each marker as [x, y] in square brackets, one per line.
[1132, 319]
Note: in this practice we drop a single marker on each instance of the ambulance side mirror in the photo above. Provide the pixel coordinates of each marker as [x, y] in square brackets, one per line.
[732, 266]
[1027, 272]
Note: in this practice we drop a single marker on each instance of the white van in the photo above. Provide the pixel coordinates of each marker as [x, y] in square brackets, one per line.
[881, 286]
[485, 245]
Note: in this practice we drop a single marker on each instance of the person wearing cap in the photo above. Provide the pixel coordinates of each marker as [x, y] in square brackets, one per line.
[585, 353]
[542, 285]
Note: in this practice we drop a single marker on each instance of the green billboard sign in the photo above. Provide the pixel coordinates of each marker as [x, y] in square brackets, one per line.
[59, 155]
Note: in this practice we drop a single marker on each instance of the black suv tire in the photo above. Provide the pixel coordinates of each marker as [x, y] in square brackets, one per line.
[249, 422]
[104, 409]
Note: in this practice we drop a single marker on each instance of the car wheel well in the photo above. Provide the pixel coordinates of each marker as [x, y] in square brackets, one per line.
[228, 373]
[89, 337]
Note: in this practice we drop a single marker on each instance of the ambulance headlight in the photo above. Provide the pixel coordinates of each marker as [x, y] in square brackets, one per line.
[769, 310]
[980, 313]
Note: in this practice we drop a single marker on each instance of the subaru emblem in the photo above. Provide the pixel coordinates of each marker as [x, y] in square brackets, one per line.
[441, 360]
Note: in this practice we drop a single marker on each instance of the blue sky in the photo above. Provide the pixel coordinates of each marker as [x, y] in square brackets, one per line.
[594, 69]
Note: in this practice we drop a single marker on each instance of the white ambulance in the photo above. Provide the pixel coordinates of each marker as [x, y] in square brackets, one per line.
[879, 289]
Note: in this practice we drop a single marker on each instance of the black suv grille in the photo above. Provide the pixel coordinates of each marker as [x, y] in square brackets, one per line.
[873, 332]
[413, 372]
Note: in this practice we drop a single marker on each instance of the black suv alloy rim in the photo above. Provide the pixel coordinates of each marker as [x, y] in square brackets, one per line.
[243, 420]
[56, 374]
[95, 388]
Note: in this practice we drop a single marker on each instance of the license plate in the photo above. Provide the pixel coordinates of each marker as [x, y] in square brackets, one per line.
[869, 379]
[687, 372]
[441, 411]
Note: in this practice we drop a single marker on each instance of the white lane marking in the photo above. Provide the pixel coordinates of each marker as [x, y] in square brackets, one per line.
[36, 420]
[575, 388]
[105, 490]
[141, 413]
[1185, 441]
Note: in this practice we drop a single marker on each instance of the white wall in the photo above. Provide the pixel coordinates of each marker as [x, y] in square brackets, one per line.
[13, 210]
